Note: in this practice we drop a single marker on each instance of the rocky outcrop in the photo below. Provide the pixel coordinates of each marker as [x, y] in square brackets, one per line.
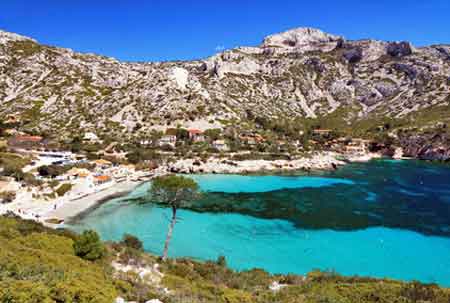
[429, 146]
[353, 55]
[321, 161]
[399, 49]
[302, 40]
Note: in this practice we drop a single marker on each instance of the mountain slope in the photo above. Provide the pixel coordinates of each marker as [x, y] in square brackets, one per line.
[301, 73]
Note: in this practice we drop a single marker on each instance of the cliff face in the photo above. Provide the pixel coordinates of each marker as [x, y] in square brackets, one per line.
[299, 73]
[431, 146]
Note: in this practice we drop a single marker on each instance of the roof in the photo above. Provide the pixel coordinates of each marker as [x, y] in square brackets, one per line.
[29, 138]
[78, 171]
[219, 142]
[102, 178]
[169, 137]
[102, 162]
[195, 131]
[322, 131]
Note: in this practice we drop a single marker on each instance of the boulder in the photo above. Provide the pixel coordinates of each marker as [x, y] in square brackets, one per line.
[399, 49]
[409, 70]
[353, 55]
[444, 52]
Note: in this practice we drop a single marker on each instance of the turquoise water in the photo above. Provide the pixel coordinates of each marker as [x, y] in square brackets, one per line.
[381, 219]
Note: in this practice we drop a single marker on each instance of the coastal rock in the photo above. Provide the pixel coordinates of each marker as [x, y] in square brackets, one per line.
[426, 146]
[319, 161]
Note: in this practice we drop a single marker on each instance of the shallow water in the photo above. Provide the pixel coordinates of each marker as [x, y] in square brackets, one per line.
[382, 219]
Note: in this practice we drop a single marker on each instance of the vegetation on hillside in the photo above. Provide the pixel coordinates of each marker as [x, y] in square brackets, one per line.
[38, 264]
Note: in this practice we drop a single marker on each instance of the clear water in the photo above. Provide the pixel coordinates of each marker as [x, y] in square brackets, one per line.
[381, 219]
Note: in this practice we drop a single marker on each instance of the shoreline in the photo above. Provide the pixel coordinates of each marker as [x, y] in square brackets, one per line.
[71, 209]
[101, 200]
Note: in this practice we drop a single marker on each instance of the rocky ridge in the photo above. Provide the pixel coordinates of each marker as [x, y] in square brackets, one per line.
[301, 73]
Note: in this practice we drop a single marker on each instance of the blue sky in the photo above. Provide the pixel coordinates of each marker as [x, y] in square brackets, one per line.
[168, 30]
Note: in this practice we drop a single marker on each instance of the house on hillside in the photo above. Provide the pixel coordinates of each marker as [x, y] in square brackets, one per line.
[146, 142]
[251, 139]
[90, 137]
[220, 145]
[25, 142]
[322, 132]
[102, 163]
[358, 146]
[75, 173]
[168, 140]
[196, 135]
[102, 179]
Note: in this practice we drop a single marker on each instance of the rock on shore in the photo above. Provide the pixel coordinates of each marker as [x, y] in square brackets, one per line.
[322, 161]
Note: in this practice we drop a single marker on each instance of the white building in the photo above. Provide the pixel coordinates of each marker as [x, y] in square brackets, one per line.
[168, 140]
[220, 145]
[90, 137]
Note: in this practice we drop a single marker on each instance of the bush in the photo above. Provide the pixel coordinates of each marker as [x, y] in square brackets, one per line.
[88, 246]
[52, 170]
[221, 261]
[63, 189]
[132, 242]
[7, 196]
[38, 265]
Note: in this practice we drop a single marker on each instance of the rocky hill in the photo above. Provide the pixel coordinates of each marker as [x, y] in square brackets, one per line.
[302, 74]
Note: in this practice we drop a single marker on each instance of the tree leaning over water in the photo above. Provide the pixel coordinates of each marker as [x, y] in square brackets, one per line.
[175, 192]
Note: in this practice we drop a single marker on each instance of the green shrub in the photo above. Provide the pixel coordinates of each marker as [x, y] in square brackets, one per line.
[52, 170]
[7, 196]
[132, 242]
[63, 189]
[221, 261]
[88, 246]
[38, 265]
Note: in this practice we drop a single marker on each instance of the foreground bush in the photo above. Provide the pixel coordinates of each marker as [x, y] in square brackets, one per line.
[38, 265]
[88, 246]
[132, 242]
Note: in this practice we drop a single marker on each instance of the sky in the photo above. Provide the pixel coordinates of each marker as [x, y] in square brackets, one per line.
[136, 30]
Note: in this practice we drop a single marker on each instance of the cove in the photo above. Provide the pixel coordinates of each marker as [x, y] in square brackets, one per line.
[380, 219]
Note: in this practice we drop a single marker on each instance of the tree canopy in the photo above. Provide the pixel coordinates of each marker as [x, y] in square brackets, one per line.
[173, 190]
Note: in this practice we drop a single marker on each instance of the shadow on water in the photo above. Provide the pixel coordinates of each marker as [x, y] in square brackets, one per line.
[402, 194]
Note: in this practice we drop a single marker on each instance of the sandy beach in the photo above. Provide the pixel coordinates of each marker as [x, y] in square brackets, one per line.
[77, 206]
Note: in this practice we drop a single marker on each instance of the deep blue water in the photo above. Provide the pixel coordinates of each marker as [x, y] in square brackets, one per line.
[382, 219]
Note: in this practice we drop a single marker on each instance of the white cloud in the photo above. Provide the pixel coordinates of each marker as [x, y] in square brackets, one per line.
[219, 48]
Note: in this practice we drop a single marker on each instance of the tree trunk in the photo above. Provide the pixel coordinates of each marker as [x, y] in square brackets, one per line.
[169, 233]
